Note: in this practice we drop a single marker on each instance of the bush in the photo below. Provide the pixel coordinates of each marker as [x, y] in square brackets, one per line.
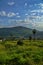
[20, 42]
[36, 58]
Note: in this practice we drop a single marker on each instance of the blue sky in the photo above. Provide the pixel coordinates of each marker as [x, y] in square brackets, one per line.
[28, 13]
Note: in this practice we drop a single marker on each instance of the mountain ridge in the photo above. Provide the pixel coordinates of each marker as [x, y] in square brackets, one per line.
[19, 31]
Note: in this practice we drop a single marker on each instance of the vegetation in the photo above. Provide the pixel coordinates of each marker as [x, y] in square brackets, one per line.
[20, 42]
[19, 31]
[28, 53]
[34, 32]
[21, 51]
[30, 38]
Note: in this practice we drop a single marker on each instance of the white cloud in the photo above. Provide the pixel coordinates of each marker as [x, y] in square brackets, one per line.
[41, 4]
[39, 8]
[39, 11]
[39, 24]
[18, 16]
[34, 22]
[2, 13]
[26, 14]
[33, 14]
[25, 4]
[27, 21]
[11, 3]
[11, 14]
[17, 13]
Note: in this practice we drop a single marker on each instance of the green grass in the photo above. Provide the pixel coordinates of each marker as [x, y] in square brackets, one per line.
[30, 53]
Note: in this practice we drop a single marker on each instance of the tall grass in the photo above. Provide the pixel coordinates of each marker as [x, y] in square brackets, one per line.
[25, 53]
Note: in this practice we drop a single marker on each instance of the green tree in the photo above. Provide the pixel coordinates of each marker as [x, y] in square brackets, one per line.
[34, 33]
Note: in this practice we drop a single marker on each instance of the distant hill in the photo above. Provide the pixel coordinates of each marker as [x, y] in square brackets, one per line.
[19, 31]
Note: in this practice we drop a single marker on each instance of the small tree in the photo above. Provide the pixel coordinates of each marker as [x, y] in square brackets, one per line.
[34, 32]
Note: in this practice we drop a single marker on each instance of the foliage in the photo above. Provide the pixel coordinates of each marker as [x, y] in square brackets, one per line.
[34, 32]
[20, 42]
[27, 53]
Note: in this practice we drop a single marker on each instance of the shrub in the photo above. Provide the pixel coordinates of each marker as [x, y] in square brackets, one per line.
[36, 58]
[14, 61]
[20, 42]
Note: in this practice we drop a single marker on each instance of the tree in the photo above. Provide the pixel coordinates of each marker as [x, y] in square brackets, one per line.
[34, 32]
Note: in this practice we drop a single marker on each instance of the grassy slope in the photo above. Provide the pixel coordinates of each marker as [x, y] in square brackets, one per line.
[30, 53]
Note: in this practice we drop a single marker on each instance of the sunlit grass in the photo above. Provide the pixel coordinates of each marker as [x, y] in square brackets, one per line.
[30, 53]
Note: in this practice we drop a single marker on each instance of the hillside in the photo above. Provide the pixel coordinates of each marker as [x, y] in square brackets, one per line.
[19, 32]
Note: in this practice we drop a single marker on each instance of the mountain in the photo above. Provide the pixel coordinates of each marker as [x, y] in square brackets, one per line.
[19, 31]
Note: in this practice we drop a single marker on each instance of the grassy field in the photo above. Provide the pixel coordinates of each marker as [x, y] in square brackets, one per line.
[29, 53]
